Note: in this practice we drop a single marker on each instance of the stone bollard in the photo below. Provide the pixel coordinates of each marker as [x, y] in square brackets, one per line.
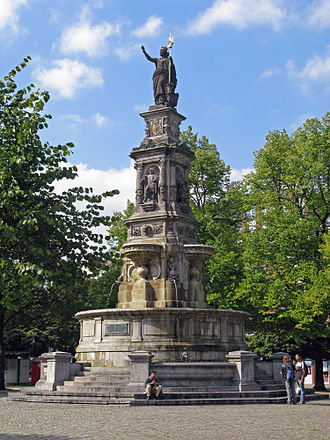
[277, 361]
[244, 376]
[139, 369]
[55, 369]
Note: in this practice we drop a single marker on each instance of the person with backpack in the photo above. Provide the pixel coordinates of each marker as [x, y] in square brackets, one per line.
[301, 371]
[287, 373]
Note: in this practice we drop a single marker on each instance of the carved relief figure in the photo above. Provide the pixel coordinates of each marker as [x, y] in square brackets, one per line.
[196, 288]
[182, 195]
[151, 186]
[172, 269]
[164, 78]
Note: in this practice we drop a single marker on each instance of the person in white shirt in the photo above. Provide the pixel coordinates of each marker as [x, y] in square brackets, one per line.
[300, 374]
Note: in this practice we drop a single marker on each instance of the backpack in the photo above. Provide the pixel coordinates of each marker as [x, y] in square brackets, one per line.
[289, 374]
[306, 369]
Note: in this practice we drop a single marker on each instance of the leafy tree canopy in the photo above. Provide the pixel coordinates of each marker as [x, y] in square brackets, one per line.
[286, 276]
[46, 243]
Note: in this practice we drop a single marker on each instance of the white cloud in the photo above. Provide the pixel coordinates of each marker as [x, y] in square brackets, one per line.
[126, 52]
[240, 14]
[9, 18]
[104, 180]
[150, 28]
[270, 72]
[74, 118]
[83, 37]
[316, 69]
[67, 76]
[319, 14]
[239, 174]
[99, 119]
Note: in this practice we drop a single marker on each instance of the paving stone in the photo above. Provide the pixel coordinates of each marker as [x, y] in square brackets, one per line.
[35, 421]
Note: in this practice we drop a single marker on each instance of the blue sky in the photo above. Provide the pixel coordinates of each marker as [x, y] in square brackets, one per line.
[244, 67]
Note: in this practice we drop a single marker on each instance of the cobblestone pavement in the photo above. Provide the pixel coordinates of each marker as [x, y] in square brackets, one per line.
[35, 421]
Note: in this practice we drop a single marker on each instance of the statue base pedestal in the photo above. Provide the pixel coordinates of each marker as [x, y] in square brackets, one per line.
[108, 336]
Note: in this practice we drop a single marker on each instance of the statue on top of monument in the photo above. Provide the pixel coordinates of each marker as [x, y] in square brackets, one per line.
[164, 77]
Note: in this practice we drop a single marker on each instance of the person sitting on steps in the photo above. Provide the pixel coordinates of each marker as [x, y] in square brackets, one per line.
[153, 387]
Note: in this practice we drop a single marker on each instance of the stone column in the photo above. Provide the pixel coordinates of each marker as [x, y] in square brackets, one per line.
[162, 181]
[139, 187]
[244, 376]
[55, 369]
[139, 369]
[277, 361]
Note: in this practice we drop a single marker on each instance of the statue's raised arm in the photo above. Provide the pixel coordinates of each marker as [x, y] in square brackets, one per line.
[149, 58]
[164, 78]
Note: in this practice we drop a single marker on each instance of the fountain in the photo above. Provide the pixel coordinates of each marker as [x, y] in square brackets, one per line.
[161, 320]
[161, 300]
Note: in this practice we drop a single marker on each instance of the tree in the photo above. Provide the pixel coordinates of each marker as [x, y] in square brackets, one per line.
[103, 288]
[216, 204]
[47, 247]
[209, 175]
[285, 285]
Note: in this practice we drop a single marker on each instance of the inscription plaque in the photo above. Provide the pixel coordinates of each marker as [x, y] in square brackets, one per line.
[116, 329]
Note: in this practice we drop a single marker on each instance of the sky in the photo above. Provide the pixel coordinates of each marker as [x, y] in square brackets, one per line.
[244, 67]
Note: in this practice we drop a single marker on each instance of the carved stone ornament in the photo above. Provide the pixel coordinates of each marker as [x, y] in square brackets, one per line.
[172, 268]
[155, 270]
[156, 127]
[150, 185]
[148, 230]
[159, 229]
[136, 231]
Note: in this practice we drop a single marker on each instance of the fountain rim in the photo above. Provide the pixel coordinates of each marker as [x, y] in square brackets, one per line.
[163, 310]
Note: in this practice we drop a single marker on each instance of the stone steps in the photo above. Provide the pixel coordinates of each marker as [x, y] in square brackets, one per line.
[214, 394]
[106, 383]
[74, 399]
[101, 378]
[91, 389]
[210, 401]
[105, 370]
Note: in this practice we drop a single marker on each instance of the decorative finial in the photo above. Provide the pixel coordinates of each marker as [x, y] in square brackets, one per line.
[170, 42]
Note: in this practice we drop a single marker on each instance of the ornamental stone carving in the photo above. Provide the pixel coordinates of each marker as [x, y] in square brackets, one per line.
[150, 185]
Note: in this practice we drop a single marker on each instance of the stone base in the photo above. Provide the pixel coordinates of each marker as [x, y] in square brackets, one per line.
[108, 336]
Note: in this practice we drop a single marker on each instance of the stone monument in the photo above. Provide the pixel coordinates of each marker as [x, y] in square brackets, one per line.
[161, 321]
[161, 301]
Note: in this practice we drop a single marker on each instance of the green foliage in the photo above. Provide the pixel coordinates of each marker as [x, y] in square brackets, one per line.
[103, 288]
[46, 243]
[217, 205]
[286, 276]
[208, 177]
[117, 232]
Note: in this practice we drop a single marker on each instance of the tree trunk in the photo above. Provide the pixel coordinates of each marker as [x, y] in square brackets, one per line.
[2, 351]
[319, 381]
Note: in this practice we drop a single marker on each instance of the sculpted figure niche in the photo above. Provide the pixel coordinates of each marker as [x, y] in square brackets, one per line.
[164, 78]
[182, 189]
[150, 185]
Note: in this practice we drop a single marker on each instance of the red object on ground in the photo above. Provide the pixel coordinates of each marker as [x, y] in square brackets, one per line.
[35, 371]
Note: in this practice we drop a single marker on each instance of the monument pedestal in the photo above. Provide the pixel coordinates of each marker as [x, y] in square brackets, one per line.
[109, 336]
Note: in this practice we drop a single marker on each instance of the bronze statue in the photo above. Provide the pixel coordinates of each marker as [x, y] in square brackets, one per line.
[164, 78]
